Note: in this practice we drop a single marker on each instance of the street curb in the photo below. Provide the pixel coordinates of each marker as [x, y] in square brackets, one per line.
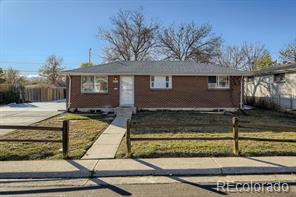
[41, 175]
[147, 167]
[130, 173]
[196, 172]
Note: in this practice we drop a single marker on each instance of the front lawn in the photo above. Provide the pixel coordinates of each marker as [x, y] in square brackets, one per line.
[146, 149]
[84, 130]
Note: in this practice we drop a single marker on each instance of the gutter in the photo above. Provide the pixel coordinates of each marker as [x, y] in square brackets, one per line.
[274, 72]
[69, 96]
[241, 93]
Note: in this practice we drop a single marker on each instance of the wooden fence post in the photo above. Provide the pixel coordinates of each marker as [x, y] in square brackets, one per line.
[235, 136]
[128, 135]
[65, 138]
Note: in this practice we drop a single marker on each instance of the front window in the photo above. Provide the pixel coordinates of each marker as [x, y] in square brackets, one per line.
[94, 84]
[218, 81]
[279, 78]
[250, 79]
[160, 82]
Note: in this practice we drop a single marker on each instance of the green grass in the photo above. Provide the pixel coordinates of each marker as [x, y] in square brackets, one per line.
[146, 149]
[74, 117]
[83, 133]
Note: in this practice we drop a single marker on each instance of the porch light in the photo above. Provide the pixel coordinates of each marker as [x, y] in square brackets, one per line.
[115, 79]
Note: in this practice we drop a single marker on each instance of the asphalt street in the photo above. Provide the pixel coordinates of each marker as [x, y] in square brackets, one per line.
[77, 187]
[146, 190]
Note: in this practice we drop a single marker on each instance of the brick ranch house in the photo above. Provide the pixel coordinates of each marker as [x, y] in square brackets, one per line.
[172, 85]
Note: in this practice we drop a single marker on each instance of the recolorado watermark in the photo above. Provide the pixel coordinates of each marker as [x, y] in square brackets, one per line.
[253, 187]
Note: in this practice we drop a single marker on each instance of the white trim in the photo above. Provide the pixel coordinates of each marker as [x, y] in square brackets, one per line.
[217, 82]
[164, 88]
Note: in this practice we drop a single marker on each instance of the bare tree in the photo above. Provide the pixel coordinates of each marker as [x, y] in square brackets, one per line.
[2, 79]
[189, 42]
[288, 55]
[131, 38]
[51, 70]
[233, 57]
[253, 53]
[12, 77]
[244, 57]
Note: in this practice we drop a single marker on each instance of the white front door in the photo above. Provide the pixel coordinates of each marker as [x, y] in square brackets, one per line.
[126, 90]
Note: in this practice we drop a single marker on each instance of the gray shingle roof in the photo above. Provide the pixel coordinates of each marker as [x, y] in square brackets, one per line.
[277, 69]
[156, 67]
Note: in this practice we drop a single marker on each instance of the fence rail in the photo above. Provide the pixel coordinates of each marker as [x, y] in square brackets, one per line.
[271, 127]
[31, 128]
[236, 124]
[64, 130]
[168, 125]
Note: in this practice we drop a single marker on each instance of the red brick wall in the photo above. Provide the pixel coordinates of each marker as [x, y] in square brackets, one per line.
[186, 92]
[93, 100]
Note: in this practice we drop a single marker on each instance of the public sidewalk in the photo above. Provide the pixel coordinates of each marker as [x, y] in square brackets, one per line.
[146, 167]
[106, 145]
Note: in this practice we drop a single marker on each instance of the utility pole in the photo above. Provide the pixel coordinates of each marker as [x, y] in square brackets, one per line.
[89, 56]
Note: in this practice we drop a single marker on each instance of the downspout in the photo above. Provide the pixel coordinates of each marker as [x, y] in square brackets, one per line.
[241, 93]
[69, 96]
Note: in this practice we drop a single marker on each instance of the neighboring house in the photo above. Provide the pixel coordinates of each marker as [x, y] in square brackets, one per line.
[172, 85]
[273, 87]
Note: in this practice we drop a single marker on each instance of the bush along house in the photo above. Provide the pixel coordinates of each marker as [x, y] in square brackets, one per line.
[153, 85]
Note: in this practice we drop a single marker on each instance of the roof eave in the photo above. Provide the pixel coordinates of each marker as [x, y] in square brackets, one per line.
[174, 74]
[274, 72]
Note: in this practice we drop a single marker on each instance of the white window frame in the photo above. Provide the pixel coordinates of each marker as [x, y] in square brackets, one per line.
[152, 82]
[217, 84]
[94, 89]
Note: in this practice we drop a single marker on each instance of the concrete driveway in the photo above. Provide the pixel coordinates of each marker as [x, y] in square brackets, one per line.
[28, 113]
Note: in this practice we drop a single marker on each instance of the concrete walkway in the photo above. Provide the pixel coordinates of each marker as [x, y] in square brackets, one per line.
[106, 145]
[147, 167]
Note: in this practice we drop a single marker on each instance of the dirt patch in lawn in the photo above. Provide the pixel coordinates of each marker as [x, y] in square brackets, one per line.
[146, 149]
[84, 130]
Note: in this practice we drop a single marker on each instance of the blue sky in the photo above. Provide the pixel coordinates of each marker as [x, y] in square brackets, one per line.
[31, 30]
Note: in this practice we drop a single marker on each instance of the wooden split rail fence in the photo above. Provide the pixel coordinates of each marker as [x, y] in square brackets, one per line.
[236, 124]
[64, 130]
